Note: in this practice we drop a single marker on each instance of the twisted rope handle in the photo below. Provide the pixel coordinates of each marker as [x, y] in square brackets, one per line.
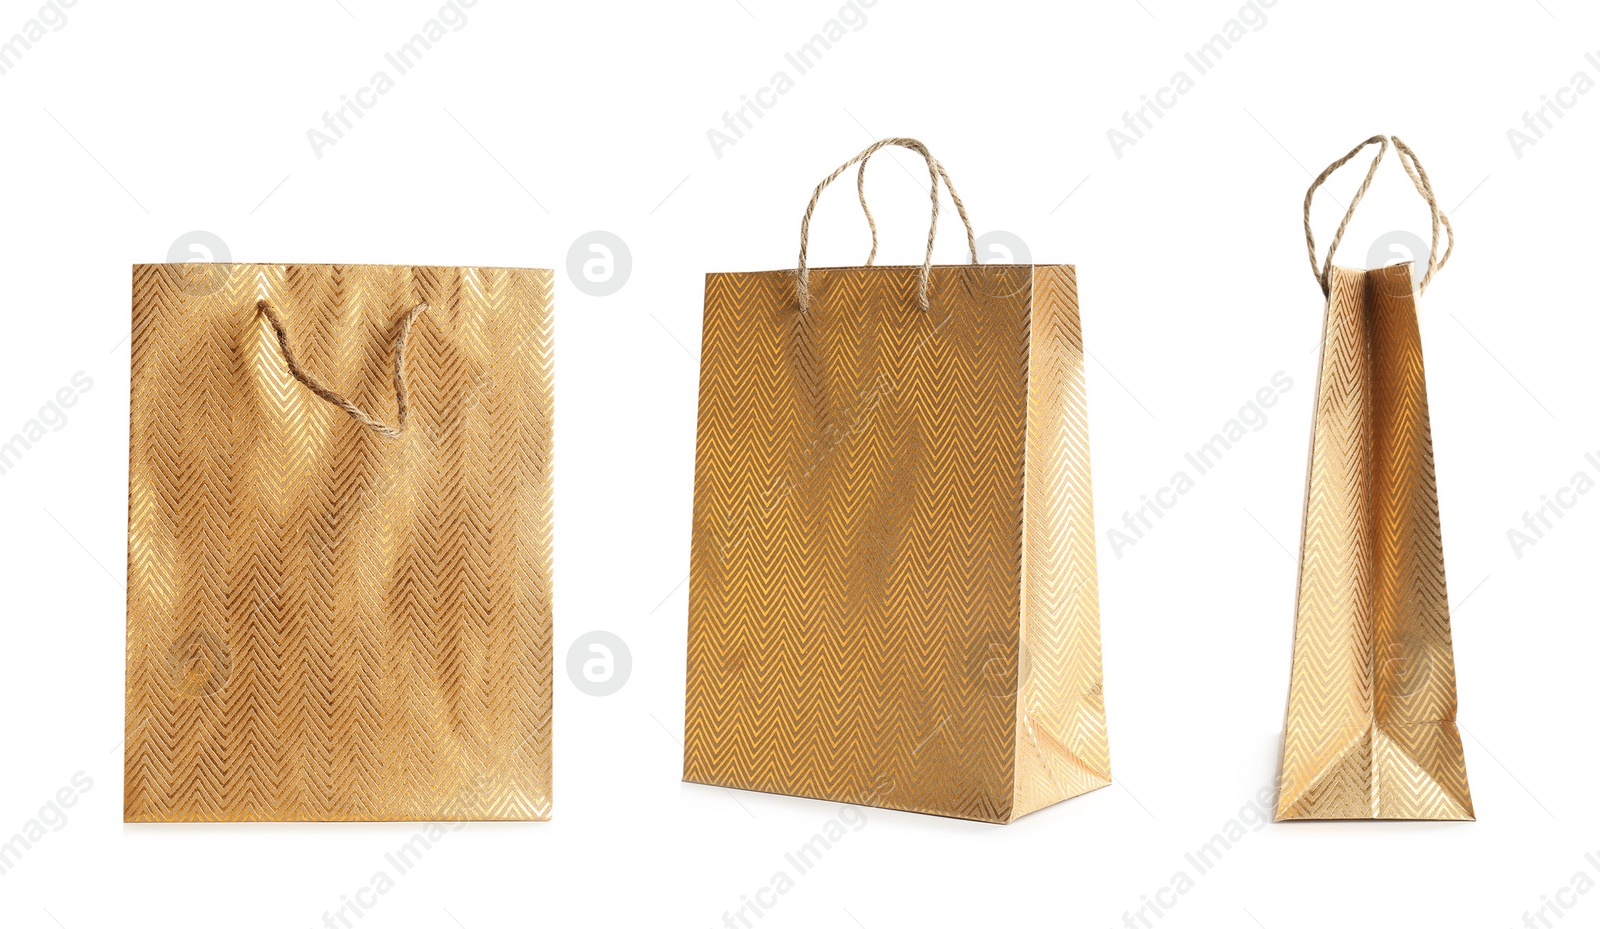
[402, 409]
[861, 194]
[1419, 178]
[935, 172]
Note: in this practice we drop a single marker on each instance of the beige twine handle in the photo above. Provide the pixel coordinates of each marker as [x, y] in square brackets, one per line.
[936, 172]
[872, 225]
[402, 409]
[1419, 178]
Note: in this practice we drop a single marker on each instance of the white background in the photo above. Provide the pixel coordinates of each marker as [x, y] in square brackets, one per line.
[535, 123]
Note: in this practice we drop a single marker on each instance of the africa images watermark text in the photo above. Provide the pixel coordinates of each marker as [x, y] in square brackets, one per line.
[51, 17]
[452, 17]
[852, 17]
[1252, 417]
[1252, 17]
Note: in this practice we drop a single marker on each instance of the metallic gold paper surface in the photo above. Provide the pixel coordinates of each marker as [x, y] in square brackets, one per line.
[1371, 730]
[324, 623]
[893, 595]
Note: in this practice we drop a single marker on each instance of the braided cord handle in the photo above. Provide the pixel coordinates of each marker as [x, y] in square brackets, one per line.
[402, 409]
[936, 173]
[1419, 178]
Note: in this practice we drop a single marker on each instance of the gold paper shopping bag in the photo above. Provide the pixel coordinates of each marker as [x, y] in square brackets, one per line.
[334, 613]
[1371, 731]
[893, 596]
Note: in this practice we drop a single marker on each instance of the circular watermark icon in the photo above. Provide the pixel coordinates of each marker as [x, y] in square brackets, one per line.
[1004, 666]
[1004, 258]
[206, 253]
[599, 663]
[1399, 246]
[199, 664]
[599, 263]
[1412, 679]
[1001, 247]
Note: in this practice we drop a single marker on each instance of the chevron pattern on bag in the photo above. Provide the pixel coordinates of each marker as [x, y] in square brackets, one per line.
[1371, 731]
[324, 623]
[1062, 745]
[858, 560]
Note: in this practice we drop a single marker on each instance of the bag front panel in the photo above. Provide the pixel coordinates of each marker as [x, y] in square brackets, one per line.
[325, 623]
[856, 560]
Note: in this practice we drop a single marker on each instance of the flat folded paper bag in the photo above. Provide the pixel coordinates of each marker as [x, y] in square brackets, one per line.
[892, 587]
[332, 617]
[1371, 731]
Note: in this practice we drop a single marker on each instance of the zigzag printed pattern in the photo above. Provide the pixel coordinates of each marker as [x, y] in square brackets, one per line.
[324, 624]
[1371, 730]
[859, 553]
[1062, 746]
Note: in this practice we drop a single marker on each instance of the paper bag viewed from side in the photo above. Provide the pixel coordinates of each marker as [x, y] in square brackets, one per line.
[893, 595]
[325, 621]
[1371, 731]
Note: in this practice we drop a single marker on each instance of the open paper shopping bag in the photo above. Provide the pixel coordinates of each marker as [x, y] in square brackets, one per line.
[334, 614]
[892, 595]
[1371, 729]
